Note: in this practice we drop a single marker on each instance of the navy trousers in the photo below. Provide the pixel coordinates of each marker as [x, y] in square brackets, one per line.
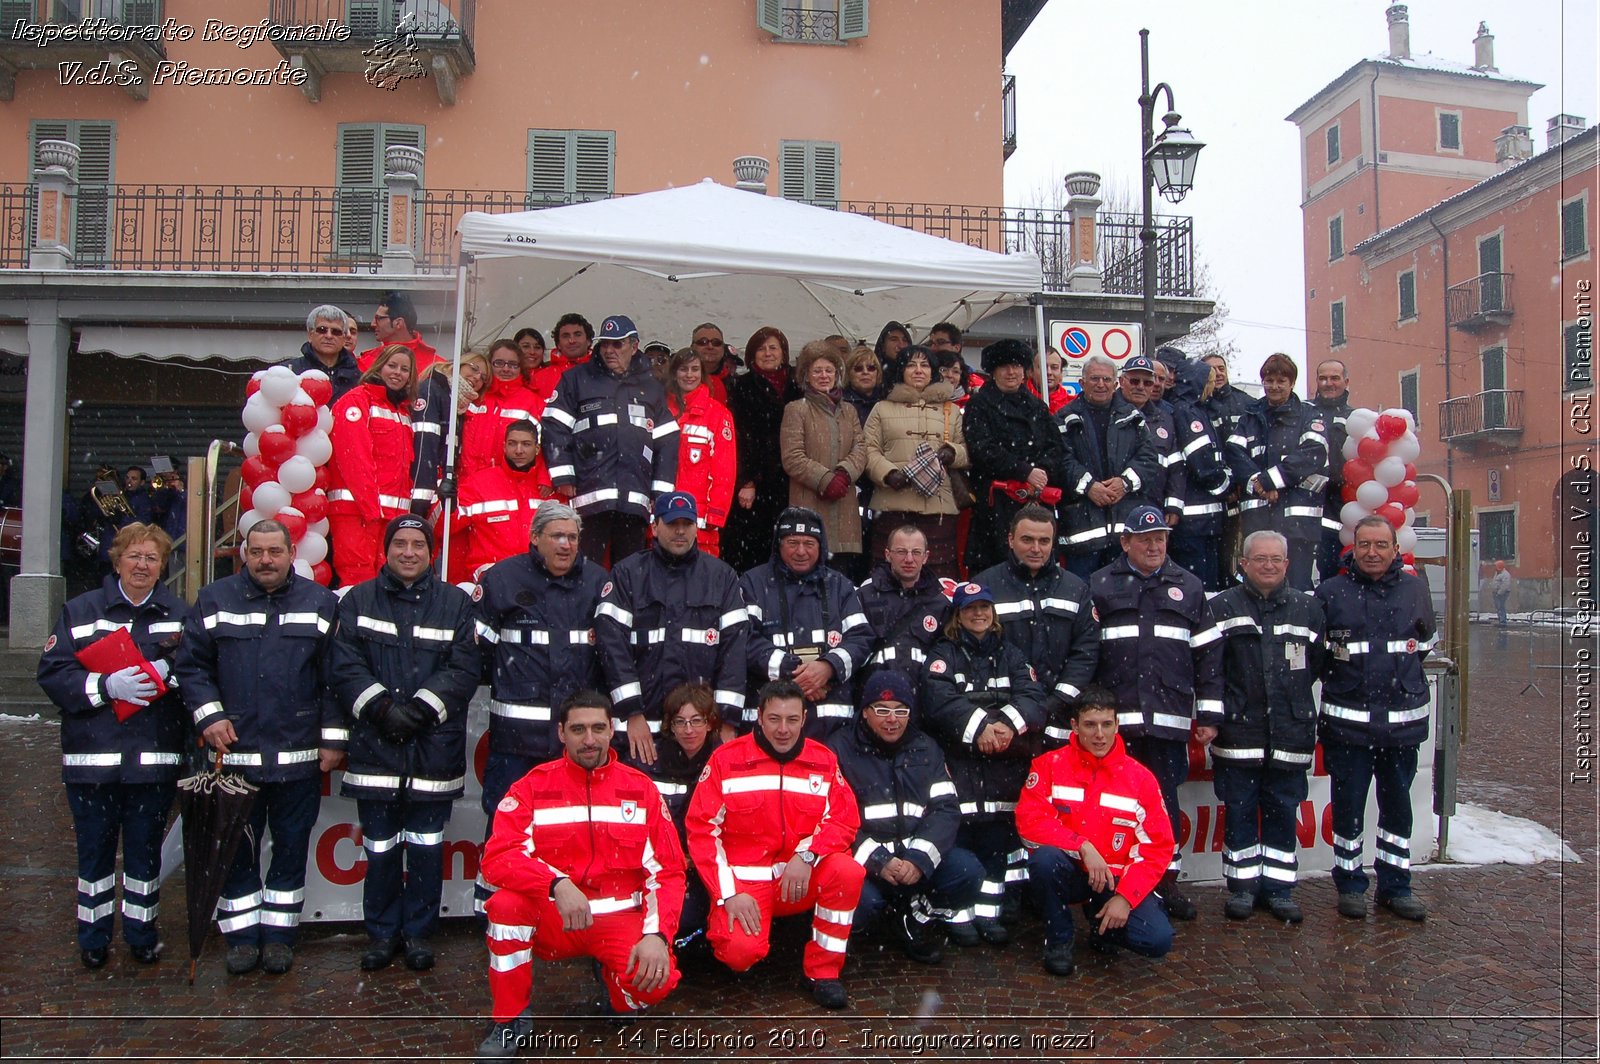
[1168, 762]
[953, 887]
[1351, 773]
[995, 844]
[1198, 554]
[254, 911]
[1059, 881]
[404, 841]
[1259, 844]
[101, 813]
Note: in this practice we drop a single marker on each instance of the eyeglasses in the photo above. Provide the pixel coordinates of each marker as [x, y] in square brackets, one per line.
[689, 723]
[907, 552]
[505, 365]
[1139, 382]
[1267, 559]
[890, 711]
[323, 330]
[706, 341]
[380, 317]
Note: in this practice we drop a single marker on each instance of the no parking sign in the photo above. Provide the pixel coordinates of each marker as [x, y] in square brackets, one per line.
[1077, 340]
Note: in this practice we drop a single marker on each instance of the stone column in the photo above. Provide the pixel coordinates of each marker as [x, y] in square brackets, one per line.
[1083, 271]
[402, 172]
[56, 186]
[39, 590]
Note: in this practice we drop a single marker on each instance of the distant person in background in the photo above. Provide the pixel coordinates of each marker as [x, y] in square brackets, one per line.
[395, 322]
[823, 452]
[1333, 400]
[757, 399]
[716, 361]
[1500, 588]
[430, 424]
[944, 339]
[708, 457]
[136, 488]
[10, 483]
[892, 339]
[370, 474]
[530, 343]
[863, 381]
[573, 337]
[1059, 396]
[325, 349]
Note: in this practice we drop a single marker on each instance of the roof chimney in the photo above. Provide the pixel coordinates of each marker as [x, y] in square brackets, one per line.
[1399, 32]
[1513, 145]
[1563, 128]
[1483, 49]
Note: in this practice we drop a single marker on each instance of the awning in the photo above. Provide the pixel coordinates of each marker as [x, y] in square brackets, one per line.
[166, 342]
[14, 340]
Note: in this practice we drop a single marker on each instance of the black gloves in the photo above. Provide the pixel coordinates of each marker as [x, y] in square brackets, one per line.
[897, 479]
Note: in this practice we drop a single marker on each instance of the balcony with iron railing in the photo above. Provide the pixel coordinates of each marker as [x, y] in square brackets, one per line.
[1492, 418]
[116, 43]
[1008, 112]
[306, 229]
[1484, 301]
[386, 41]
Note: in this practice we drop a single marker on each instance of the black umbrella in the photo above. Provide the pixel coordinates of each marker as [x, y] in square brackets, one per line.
[216, 815]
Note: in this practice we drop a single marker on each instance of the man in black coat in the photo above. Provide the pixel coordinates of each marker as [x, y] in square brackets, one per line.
[1014, 448]
[324, 350]
[1333, 402]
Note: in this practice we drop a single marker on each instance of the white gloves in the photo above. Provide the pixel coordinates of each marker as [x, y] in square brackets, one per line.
[163, 670]
[130, 685]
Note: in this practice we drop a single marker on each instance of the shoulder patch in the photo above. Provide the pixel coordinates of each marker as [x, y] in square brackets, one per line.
[352, 413]
[705, 773]
[930, 623]
[1317, 426]
[937, 666]
[1032, 675]
[1033, 780]
[477, 590]
[727, 431]
[1161, 430]
[49, 644]
[1175, 594]
[507, 804]
[606, 590]
[419, 404]
[1195, 426]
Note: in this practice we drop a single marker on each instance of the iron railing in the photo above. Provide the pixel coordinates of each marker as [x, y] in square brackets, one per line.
[1496, 410]
[1008, 112]
[1485, 298]
[41, 22]
[310, 229]
[434, 22]
[801, 24]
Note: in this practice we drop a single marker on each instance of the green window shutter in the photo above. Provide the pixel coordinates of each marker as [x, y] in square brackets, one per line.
[1335, 238]
[792, 170]
[824, 173]
[1574, 241]
[365, 18]
[141, 12]
[1578, 359]
[1336, 323]
[91, 221]
[356, 174]
[808, 170]
[1408, 295]
[593, 163]
[547, 165]
[769, 16]
[14, 11]
[852, 19]
[1408, 396]
[571, 165]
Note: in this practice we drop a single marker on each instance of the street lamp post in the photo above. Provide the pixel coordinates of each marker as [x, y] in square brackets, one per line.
[1169, 162]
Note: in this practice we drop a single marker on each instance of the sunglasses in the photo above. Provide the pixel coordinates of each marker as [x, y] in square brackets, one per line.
[323, 330]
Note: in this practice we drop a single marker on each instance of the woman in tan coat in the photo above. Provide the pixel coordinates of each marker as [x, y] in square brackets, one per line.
[914, 441]
[823, 452]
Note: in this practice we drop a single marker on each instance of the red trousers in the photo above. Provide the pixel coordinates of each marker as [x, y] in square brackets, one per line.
[357, 547]
[833, 891]
[521, 928]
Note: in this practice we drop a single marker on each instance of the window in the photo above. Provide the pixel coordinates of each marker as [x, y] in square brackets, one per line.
[1408, 295]
[362, 206]
[1497, 534]
[1494, 387]
[1336, 324]
[1333, 144]
[571, 165]
[808, 170]
[1574, 231]
[91, 219]
[1408, 395]
[1336, 237]
[1578, 361]
[813, 21]
[1449, 130]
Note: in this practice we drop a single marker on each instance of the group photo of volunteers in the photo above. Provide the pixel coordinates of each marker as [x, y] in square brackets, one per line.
[882, 636]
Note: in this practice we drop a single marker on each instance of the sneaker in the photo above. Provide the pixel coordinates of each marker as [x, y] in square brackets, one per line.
[277, 958]
[1405, 906]
[1284, 908]
[419, 958]
[1058, 960]
[380, 954]
[920, 940]
[146, 954]
[829, 993]
[963, 933]
[243, 958]
[1353, 905]
[1239, 906]
[501, 1043]
[94, 958]
[992, 931]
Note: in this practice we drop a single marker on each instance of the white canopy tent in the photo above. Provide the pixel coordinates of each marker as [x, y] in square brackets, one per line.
[675, 258]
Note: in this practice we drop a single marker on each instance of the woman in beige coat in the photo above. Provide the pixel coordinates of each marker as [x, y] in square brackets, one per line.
[914, 441]
[823, 452]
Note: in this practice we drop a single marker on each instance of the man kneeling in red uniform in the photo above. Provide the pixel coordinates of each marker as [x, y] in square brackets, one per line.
[588, 865]
[770, 826]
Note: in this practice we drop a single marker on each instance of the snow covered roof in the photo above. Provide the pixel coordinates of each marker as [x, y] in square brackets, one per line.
[1427, 63]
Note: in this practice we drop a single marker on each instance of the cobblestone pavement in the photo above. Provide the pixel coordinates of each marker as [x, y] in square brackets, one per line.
[1504, 968]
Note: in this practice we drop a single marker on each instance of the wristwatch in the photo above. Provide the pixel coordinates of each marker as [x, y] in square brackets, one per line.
[806, 857]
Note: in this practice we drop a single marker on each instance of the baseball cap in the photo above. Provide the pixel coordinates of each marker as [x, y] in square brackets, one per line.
[967, 594]
[617, 327]
[1137, 364]
[1144, 519]
[675, 506]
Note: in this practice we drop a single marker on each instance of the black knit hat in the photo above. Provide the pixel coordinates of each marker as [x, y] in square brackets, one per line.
[1006, 353]
[405, 521]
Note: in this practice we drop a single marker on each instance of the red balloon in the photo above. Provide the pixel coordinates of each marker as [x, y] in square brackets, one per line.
[1347, 493]
[299, 419]
[247, 498]
[1393, 513]
[1405, 494]
[1357, 471]
[256, 471]
[319, 388]
[1390, 427]
[313, 503]
[251, 387]
[1409, 559]
[322, 573]
[1411, 471]
[277, 447]
[295, 523]
[1371, 451]
[324, 479]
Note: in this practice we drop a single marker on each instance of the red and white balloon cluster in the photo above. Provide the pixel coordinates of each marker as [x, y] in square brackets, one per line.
[287, 451]
[1380, 474]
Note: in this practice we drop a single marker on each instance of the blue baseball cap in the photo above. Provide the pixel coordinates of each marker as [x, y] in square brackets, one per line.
[617, 327]
[675, 506]
[1144, 519]
[1139, 363]
[967, 594]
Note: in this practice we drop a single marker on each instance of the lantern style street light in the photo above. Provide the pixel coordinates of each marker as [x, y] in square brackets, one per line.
[1169, 162]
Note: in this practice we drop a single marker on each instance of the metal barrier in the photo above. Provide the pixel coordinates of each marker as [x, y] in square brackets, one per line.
[1446, 746]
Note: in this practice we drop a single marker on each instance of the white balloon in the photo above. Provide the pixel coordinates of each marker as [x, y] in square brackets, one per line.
[1360, 421]
[258, 374]
[316, 447]
[292, 511]
[252, 445]
[303, 567]
[1369, 495]
[324, 419]
[319, 527]
[341, 592]
[314, 374]
[313, 548]
[301, 398]
[1352, 447]
[258, 413]
[1406, 448]
[1352, 512]
[1406, 538]
[1347, 535]
[297, 474]
[1411, 517]
[247, 520]
[1390, 472]
[279, 385]
[270, 497]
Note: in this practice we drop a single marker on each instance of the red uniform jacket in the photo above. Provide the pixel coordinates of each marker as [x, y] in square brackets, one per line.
[483, 435]
[607, 830]
[1112, 801]
[426, 356]
[707, 454]
[547, 376]
[751, 813]
[370, 473]
[495, 509]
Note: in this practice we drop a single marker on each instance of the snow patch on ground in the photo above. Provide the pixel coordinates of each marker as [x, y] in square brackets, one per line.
[1483, 836]
[32, 718]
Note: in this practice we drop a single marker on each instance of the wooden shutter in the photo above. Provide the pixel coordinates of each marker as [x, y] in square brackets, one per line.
[91, 220]
[593, 163]
[1573, 239]
[769, 16]
[365, 18]
[141, 12]
[356, 223]
[792, 169]
[852, 19]
[824, 173]
[547, 165]
[14, 11]
[808, 170]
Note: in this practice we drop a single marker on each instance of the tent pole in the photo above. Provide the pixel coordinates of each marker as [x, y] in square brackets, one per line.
[457, 341]
[1043, 339]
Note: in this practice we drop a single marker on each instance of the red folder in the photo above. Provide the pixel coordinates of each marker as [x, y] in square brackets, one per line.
[114, 653]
